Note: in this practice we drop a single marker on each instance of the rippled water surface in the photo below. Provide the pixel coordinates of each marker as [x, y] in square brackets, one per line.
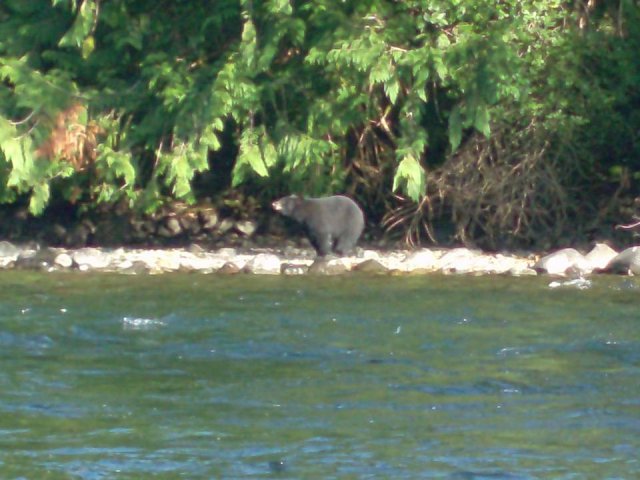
[199, 376]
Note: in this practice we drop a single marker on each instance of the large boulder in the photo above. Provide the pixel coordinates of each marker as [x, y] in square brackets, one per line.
[460, 260]
[328, 266]
[563, 262]
[9, 253]
[421, 261]
[626, 262]
[91, 258]
[264, 264]
[600, 256]
[42, 259]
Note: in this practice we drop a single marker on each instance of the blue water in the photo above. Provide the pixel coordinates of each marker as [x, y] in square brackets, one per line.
[204, 376]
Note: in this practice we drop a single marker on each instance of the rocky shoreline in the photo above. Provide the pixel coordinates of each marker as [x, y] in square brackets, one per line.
[300, 261]
[213, 238]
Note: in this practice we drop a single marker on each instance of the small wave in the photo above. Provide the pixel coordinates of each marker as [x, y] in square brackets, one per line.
[136, 323]
[579, 283]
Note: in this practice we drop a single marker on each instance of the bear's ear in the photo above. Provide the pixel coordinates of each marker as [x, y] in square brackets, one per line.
[295, 200]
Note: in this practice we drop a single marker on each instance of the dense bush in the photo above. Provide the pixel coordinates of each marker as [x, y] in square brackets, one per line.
[513, 121]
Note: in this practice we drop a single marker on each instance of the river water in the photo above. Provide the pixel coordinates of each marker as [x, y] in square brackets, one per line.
[203, 376]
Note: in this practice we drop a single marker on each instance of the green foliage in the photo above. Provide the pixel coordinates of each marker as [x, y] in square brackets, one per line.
[79, 35]
[38, 97]
[372, 96]
[114, 172]
[257, 154]
[411, 175]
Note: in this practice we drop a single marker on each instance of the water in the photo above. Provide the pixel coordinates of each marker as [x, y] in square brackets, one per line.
[196, 376]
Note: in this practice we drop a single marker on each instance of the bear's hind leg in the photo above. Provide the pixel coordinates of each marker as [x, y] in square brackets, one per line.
[345, 244]
[323, 244]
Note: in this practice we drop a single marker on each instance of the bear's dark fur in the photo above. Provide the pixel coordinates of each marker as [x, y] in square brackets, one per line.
[333, 224]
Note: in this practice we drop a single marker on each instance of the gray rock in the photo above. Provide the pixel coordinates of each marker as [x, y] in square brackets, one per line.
[190, 224]
[323, 266]
[91, 259]
[164, 263]
[63, 260]
[227, 252]
[58, 233]
[371, 266]
[391, 260]
[626, 262]
[208, 219]
[246, 227]
[195, 248]
[170, 228]
[264, 264]
[423, 260]
[229, 268]
[79, 235]
[293, 269]
[462, 260]
[8, 249]
[518, 271]
[563, 261]
[600, 256]
[134, 268]
[138, 229]
[37, 260]
[300, 261]
[291, 251]
[451, 255]
[148, 226]
[225, 225]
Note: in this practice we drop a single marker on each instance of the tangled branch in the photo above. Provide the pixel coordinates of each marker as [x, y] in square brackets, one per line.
[507, 191]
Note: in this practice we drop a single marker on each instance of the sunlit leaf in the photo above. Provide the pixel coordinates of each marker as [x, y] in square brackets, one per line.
[455, 128]
[392, 89]
[481, 121]
[83, 24]
[410, 176]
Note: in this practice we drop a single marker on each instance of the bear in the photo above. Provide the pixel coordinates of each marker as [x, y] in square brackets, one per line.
[333, 224]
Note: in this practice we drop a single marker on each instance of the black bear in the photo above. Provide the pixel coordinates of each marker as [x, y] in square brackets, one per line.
[333, 224]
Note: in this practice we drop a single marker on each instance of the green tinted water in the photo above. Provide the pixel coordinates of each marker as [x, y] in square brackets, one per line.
[193, 376]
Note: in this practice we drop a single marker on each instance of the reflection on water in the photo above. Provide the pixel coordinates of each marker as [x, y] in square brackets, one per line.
[196, 376]
[132, 323]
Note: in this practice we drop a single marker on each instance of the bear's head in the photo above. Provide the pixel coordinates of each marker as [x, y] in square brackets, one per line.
[288, 205]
